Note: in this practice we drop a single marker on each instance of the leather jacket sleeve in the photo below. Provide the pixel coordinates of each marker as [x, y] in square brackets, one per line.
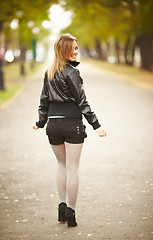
[44, 105]
[75, 83]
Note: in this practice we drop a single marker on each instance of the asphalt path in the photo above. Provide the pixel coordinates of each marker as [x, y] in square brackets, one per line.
[115, 200]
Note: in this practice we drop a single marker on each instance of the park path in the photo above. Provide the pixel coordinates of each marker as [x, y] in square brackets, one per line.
[115, 200]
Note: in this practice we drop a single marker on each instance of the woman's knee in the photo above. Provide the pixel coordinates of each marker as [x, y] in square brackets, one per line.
[72, 169]
[61, 164]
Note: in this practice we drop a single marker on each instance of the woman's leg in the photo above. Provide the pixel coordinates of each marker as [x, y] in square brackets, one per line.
[60, 154]
[73, 152]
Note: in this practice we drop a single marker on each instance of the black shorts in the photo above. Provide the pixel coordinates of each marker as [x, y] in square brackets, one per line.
[60, 130]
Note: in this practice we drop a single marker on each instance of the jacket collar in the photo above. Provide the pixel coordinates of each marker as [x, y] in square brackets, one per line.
[73, 63]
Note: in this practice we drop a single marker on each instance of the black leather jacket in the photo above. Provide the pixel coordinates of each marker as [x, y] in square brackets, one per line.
[66, 87]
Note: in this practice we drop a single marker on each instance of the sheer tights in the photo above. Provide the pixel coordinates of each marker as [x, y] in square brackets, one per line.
[68, 158]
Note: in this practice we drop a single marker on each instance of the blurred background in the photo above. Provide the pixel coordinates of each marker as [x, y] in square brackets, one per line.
[118, 34]
[115, 39]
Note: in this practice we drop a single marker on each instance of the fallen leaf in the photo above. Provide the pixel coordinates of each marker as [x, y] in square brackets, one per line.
[141, 235]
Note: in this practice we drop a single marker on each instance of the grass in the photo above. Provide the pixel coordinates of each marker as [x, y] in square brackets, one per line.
[14, 80]
[131, 73]
[12, 72]
[5, 95]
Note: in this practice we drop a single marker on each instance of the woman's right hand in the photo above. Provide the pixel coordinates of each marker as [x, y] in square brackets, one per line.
[101, 132]
[35, 127]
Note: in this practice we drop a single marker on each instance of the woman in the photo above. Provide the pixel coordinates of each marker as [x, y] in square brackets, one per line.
[62, 104]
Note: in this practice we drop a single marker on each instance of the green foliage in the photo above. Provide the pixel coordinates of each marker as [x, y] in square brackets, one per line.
[103, 19]
[31, 9]
[90, 23]
[25, 11]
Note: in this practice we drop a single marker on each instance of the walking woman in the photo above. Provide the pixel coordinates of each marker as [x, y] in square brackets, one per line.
[62, 104]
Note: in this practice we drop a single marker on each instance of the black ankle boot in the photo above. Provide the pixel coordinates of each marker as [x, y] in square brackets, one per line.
[61, 212]
[70, 216]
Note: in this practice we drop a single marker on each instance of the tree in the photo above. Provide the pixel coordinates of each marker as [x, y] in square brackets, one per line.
[89, 24]
[128, 21]
[25, 11]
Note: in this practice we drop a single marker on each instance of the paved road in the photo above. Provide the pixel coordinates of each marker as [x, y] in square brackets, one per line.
[115, 200]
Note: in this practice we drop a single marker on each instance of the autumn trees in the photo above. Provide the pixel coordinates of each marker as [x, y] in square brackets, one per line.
[29, 16]
[128, 23]
[100, 25]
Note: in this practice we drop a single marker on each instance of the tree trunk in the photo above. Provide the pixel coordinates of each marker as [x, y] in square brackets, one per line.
[133, 52]
[23, 51]
[117, 50]
[1, 76]
[126, 49]
[146, 50]
[2, 87]
[98, 49]
[85, 52]
[129, 50]
[22, 60]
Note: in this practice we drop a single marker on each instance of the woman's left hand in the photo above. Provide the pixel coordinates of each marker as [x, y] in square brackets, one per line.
[35, 127]
[101, 132]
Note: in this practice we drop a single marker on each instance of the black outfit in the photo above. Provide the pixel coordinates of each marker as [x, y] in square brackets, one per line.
[60, 130]
[64, 96]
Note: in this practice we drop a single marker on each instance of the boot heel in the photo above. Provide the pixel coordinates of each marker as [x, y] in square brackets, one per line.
[70, 216]
[61, 212]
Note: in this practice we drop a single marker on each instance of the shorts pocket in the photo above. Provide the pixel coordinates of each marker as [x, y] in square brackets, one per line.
[78, 128]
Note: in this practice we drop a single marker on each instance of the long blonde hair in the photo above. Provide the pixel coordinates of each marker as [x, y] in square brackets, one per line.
[62, 48]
